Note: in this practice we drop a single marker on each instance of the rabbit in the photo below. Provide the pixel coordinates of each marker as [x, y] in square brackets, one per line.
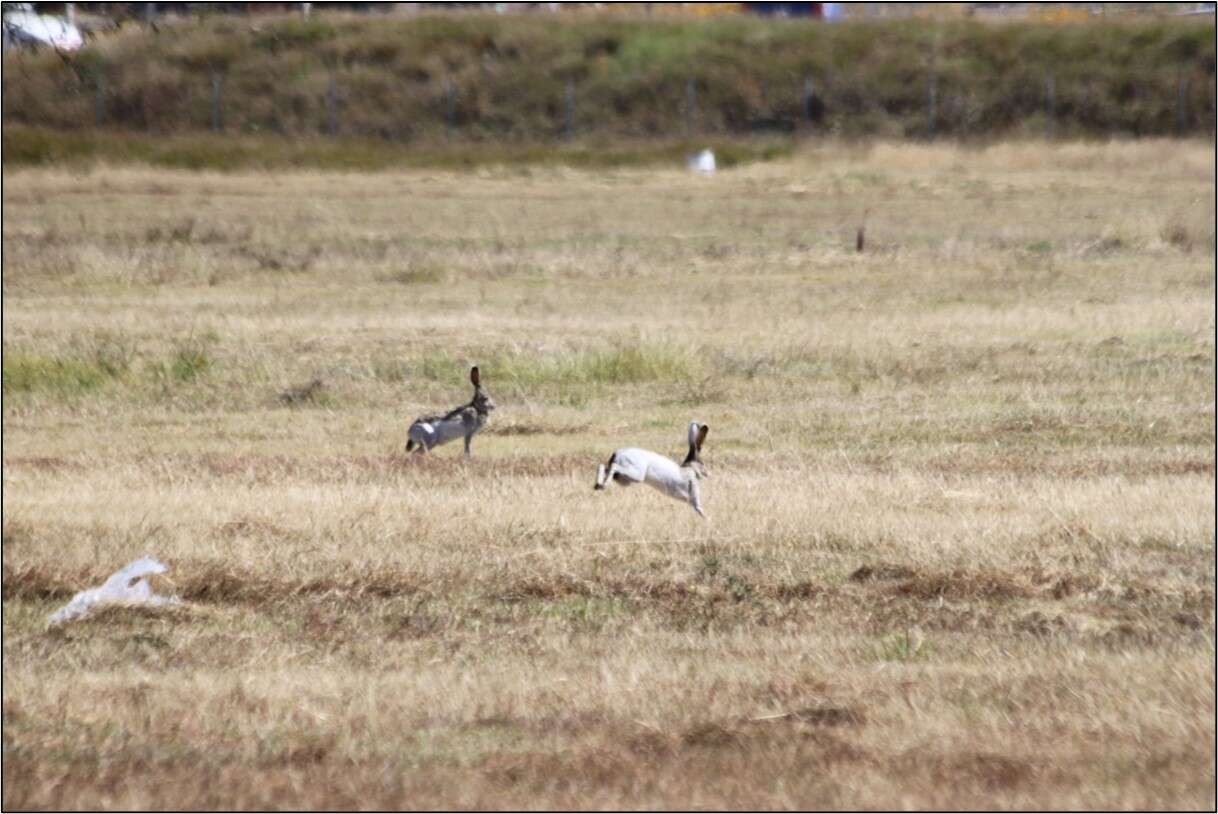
[432, 430]
[632, 465]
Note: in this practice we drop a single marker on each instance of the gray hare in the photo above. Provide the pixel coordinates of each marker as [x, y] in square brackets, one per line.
[464, 421]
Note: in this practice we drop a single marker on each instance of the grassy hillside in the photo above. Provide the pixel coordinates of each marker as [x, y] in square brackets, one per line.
[406, 79]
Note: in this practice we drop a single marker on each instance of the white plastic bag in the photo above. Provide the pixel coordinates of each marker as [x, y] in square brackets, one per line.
[128, 585]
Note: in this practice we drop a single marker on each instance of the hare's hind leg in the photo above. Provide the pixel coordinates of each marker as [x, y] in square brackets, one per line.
[613, 471]
[624, 473]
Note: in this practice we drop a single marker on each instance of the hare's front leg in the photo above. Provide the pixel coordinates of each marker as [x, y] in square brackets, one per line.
[695, 498]
[468, 438]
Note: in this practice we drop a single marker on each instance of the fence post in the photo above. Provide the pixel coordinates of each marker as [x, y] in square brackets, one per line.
[332, 106]
[691, 101]
[932, 86]
[1181, 101]
[569, 123]
[1050, 106]
[808, 96]
[99, 101]
[450, 105]
[215, 100]
[932, 103]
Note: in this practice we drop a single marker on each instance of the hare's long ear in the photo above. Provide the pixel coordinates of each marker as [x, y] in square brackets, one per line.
[475, 377]
[697, 434]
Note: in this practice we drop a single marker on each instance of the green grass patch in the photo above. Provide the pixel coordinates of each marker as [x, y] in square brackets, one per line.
[41, 146]
[65, 375]
[625, 364]
[619, 364]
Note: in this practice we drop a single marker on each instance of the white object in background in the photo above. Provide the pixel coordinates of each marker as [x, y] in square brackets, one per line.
[128, 585]
[25, 26]
[703, 162]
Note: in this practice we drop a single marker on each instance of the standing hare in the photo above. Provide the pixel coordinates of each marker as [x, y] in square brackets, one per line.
[432, 430]
[632, 465]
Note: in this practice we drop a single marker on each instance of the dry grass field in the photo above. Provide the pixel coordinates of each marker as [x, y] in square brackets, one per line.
[961, 539]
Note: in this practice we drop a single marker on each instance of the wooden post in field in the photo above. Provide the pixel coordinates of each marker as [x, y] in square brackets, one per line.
[332, 106]
[450, 105]
[99, 101]
[1050, 106]
[215, 100]
[1181, 101]
[932, 89]
[932, 104]
[569, 110]
[691, 101]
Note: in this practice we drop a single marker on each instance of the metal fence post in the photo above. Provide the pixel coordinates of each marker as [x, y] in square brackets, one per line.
[215, 100]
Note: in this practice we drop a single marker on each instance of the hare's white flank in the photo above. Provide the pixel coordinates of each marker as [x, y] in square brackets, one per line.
[460, 422]
[633, 465]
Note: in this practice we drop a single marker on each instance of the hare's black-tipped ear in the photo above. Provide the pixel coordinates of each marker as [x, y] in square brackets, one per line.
[475, 376]
[702, 431]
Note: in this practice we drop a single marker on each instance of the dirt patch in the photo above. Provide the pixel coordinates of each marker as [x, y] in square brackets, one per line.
[210, 581]
[252, 527]
[558, 587]
[992, 586]
[39, 582]
[536, 429]
[1028, 464]
[881, 571]
[43, 464]
[267, 469]
[990, 771]
[815, 716]
[1069, 585]
[110, 616]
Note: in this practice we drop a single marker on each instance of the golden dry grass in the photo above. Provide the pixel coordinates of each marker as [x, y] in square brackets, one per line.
[962, 486]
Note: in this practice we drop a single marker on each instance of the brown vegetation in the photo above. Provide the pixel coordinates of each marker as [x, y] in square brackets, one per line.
[961, 549]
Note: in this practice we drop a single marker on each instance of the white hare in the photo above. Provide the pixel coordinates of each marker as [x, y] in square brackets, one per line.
[432, 430]
[633, 465]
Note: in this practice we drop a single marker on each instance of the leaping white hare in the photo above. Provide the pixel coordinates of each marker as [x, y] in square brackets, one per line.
[633, 465]
[432, 430]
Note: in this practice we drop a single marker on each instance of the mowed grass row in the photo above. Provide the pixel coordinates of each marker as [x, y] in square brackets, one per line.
[961, 485]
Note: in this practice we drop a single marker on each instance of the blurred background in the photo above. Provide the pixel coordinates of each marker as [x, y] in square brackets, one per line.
[101, 78]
